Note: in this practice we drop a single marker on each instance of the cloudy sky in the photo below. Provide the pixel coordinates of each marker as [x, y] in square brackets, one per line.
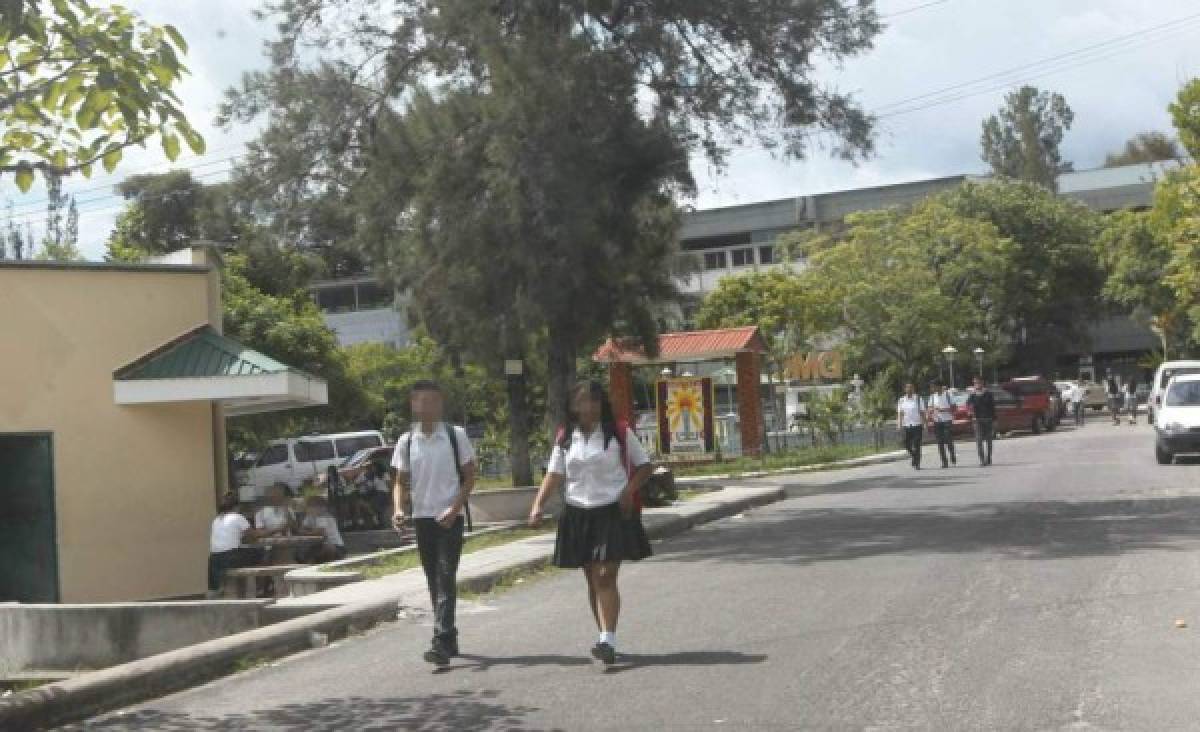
[1118, 63]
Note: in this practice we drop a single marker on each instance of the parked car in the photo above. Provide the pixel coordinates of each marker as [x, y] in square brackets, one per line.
[1038, 397]
[1097, 398]
[1012, 415]
[294, 460]
[353, 466]
[1177, 431]
[1162, 376]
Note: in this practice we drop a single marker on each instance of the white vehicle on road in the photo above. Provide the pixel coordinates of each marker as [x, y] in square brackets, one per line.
[298, 459]
[1177, 431]
[1162, 376]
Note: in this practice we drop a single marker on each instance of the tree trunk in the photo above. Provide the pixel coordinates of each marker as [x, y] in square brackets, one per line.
[560, 377]
[518, 432]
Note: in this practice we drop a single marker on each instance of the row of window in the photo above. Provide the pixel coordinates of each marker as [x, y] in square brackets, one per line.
[740, 257]
[317, 449]
[352, 297]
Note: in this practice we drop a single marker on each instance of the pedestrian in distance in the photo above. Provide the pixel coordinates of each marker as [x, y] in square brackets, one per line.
[1131, 400]
[435, 473]
[941, 414]
[910, 420]
[1115, 400]
[602, 465]
[982, 405]
[1079, 394]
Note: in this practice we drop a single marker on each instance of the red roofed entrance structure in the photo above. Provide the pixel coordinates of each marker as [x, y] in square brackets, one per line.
[744, 346]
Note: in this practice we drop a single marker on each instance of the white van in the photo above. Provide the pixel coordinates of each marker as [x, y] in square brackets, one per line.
[1162, 377]
[298, 459]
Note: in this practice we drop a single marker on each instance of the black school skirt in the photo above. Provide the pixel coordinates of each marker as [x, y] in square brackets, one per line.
[599, 534]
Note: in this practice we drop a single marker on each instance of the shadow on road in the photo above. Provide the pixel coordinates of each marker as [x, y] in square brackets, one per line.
[1026, 530]
[463, 710]
[630, 661]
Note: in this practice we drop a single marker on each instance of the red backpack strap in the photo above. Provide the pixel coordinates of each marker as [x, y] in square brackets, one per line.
[622, 433]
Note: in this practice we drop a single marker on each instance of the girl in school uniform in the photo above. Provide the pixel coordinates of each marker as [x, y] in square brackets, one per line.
[600, 526]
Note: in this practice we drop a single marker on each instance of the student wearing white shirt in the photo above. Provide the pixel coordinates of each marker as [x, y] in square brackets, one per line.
[910, 419]
[600, 526]
[275, 518]
[1078, 396]
[428, 476]
[319, 522]
[230, 530]
[941, 412]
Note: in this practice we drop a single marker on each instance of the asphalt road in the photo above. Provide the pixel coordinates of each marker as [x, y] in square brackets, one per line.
[1041, 593]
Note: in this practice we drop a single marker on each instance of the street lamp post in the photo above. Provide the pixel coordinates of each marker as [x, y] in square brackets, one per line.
[979, 359]
[949, 352]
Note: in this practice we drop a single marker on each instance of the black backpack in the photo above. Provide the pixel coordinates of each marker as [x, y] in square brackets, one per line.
[457, 465]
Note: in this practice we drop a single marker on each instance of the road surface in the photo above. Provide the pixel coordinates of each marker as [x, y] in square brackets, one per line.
[1041, 593]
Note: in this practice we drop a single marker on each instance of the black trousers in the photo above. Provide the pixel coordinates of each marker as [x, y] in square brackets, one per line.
[913, 437]
[218, 562]
[440, 550]
[945, 441]
[984, 432]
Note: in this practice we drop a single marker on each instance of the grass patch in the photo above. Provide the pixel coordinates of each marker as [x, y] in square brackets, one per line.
[411, 560]
[249, 663]
[780, 460]
[508, 581]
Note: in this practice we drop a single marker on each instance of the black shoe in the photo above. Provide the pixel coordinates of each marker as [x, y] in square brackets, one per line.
[604, 653]
[437, 655]
[451, 648]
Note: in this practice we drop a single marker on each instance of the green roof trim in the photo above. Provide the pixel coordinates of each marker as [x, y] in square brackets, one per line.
[200, 353]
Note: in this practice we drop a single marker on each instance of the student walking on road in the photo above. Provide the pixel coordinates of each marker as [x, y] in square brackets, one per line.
[910, 419]
[941, 413]
[435, 471]
[983, 416]
[603, 465]
[1131, 400]
[1115, 400]
[1078, 397]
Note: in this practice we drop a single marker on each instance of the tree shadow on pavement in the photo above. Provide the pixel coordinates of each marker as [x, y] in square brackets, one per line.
[462, 711]
[924, 479]
[1024, 530]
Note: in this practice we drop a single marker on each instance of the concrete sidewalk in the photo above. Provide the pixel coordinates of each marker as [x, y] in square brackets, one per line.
[331, 614]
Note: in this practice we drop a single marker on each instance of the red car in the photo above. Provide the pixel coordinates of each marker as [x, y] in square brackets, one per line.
[1039, 397]
[1013, 413]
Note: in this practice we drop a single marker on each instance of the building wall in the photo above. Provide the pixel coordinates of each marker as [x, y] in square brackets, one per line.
[134, 485]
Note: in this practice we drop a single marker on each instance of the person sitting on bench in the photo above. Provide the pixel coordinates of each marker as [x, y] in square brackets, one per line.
[318, 521]
[230, 530]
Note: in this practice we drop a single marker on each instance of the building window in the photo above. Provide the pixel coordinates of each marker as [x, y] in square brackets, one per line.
[766, 254]
[743, 257]
[714, 260]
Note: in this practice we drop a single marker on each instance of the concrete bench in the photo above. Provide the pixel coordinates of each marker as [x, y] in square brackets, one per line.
[236, 581]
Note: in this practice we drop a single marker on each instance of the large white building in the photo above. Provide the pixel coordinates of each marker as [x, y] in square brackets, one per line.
[361, 310]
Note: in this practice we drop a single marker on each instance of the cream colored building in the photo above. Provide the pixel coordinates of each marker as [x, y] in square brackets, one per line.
[115, 383]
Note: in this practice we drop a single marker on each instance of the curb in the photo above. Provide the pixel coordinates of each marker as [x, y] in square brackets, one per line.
[128, 683]
[886, 457]
[97, 692]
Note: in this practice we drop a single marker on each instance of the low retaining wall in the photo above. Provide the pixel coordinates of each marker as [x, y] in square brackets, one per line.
[75, 637]
[508, 504]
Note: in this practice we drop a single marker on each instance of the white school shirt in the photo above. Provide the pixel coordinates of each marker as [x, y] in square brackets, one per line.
[909, 409]
[432, 477]
[273, 518]
[943, 407]
[1078, 393]
[596, 475]
[327, 524]
[227, 531]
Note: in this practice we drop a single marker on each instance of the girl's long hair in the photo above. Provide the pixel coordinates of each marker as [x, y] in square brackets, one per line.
[608, 423]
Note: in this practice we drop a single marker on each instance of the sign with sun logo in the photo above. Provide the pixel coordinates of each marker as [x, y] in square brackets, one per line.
[685, 416]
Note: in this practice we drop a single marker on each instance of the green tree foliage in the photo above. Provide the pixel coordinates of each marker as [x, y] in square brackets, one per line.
[1137, 257]
[1021, 141]
[902, 285]
[1176, 219]
[1185, 115]
[1146, 147]
[167, 211]
[80, 83]
[1047, 288]
[521, 159]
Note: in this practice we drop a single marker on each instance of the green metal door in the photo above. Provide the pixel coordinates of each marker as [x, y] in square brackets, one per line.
[28, 542]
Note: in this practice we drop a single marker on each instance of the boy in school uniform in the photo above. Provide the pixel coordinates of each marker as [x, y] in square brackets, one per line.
[435, 471]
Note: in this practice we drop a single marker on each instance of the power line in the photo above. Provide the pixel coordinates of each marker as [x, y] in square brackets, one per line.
[913, 9]
[1052, 64]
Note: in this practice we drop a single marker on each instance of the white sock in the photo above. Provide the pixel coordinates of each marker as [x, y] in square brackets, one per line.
[609, 637]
